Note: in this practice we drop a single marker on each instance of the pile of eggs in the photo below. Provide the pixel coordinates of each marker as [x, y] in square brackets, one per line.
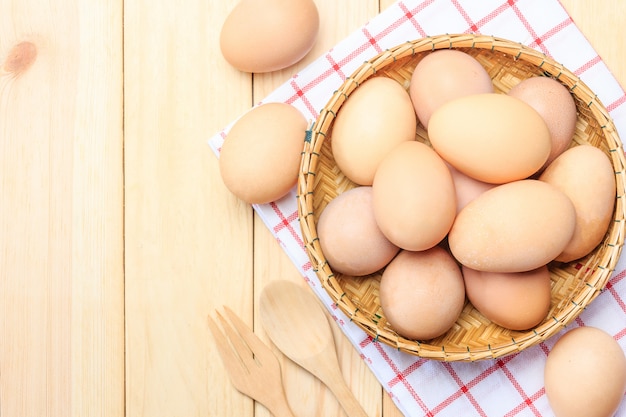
[478, 213]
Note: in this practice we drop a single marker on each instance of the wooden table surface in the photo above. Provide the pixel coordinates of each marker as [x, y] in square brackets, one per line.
[117, 236]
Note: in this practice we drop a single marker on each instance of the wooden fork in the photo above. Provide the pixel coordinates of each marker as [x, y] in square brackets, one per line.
[253, 368]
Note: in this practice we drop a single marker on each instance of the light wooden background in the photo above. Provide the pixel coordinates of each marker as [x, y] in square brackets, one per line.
[117, 237]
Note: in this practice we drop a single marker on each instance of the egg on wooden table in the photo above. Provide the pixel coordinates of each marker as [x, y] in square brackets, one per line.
[350, 237]
[422, 293]
[414, 197]
[553, 101]
[444, 75]
[260, 158]
[375, 118]
[585, 174]
[514, 300]
[269, 35]
[585, 374]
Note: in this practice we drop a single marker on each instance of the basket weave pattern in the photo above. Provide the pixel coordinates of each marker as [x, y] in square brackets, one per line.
[473, 337]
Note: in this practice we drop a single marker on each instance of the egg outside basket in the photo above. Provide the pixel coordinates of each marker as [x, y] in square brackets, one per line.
[473, 337]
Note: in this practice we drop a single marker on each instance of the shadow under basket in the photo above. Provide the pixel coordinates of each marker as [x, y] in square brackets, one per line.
[472, 337]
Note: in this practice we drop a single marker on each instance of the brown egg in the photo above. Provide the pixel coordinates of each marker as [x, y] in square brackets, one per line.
[414, 197]
[374, 119]
[493, 138]
[260, 158]
[553, 101]
[268, 35]
[422, 293]
[514, 227]
[585, 374]
[445, 75]
[349, 236]
[466, 187]
[515, 300]
[585, 174]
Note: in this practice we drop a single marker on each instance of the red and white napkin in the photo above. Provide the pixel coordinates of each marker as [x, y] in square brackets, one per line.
[509, 386]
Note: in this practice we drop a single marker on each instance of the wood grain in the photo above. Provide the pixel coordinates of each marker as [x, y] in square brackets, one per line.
[602, 23]
[117, 236]
[188, 242]
[313, 398]
[61, 211]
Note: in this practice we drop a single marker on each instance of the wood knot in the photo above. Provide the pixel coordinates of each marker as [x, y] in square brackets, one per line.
[20, 58]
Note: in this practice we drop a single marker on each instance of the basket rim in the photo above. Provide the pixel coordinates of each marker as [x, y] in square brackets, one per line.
[311, 154]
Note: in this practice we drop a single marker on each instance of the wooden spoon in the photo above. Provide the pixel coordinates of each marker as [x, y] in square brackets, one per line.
[297, 325]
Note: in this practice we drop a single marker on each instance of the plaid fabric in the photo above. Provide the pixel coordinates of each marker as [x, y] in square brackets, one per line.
[510, 386]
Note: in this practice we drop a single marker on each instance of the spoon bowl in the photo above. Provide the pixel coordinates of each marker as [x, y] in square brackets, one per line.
[296, 323]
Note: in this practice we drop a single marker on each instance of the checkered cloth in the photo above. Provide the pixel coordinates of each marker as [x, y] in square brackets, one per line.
[509, 386]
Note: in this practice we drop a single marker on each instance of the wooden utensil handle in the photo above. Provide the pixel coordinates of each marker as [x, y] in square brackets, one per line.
[345, 397]
[281, 409]
[278, 405]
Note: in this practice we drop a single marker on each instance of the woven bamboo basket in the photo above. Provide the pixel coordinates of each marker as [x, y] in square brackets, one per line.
[473, 337]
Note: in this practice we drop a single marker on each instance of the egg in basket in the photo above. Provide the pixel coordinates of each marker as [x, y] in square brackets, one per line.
[472, 231]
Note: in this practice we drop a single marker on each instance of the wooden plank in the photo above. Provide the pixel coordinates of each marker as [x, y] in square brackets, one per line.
[61, 210]
[602, 22]
[311, 398]
[188, 241]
